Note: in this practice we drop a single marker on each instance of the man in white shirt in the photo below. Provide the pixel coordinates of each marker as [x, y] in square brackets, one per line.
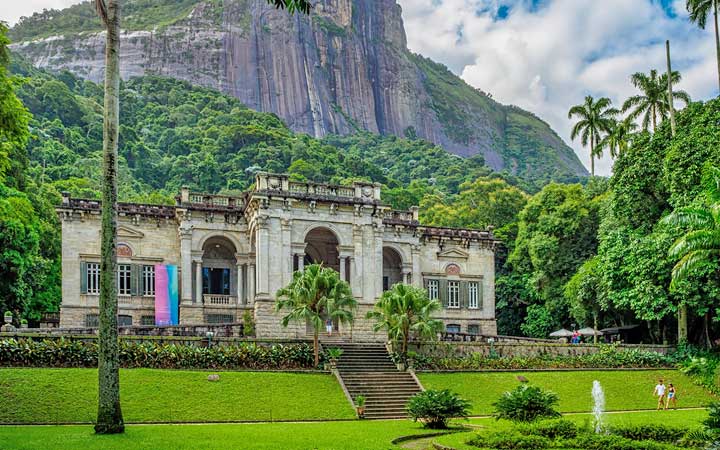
[660, 393]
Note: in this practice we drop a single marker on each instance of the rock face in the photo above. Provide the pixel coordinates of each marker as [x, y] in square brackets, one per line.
[345, 67]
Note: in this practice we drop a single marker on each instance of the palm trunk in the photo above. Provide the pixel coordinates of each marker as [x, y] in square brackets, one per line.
[592, 154]
[316, 345]
[654, 119]
[708, 342]
[682, 323]
[717, 40]
[595, 327]
[109, 418]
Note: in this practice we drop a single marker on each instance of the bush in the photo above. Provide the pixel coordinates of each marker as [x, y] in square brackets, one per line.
[712, 422]
[526, 404]
[510, 440]
[552, 429]
[72, 353]
[593, 441]
[652, 432]
[695, 439]
[434, 408]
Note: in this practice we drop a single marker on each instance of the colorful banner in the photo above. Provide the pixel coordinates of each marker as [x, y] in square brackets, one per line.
[166, 295]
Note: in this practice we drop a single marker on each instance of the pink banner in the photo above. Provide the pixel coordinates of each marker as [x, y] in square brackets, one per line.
[162, 300]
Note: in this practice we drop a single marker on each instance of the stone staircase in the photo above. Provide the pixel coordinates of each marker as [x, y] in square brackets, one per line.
[366, 369]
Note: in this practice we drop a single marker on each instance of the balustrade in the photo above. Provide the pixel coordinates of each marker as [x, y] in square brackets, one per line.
[218, 299]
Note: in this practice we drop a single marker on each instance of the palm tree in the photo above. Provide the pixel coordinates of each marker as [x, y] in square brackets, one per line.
[653, 103]
[618, 140]
[109, 417]
[596, 118]
[700, 245]
[313, 296]
[406, 311]
[699, 11]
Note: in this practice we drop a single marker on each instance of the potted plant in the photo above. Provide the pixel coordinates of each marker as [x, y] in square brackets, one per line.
[23, 323]
[333, 355]
[360, 405]
[8, 316]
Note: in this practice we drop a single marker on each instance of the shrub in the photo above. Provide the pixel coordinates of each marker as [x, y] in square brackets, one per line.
[334, 353]
[593, 441]
[712, 422]
[695, 439]
[510, 440]
[248, 324]
[71, 353]
[434, 408]
[652, 432]
[526, 404]
[551, 429]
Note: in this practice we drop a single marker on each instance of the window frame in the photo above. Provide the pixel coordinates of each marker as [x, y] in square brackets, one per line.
[433, 289]
[473, 295]
[453, 294]
[92, 278]
[124, 273]
[148, 280]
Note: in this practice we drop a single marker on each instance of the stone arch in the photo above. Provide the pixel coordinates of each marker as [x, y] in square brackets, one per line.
[238, 247]
[392, 267]
[327, 226]
[321, 246]
[219, 273]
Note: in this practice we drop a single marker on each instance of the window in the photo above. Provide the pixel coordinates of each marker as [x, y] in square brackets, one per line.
[473, 329]
[453, 328]
[147, 320]
[219, 318]
[216, 281]
[433, 289]
[124, 271]
[92, 275]
[473, 297]
[92, 320]
[148, 281]
[124, 320]
[453, 297]
[386, 284]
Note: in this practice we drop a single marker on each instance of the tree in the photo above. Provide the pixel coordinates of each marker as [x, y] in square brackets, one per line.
[653, 103]
[595, 118]
[618, 139]
[313, 296]
[699, 11]
[404, 312]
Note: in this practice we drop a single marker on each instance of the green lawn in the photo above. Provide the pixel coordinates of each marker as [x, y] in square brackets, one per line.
[689, 419]
[150, 395]
[624, 390]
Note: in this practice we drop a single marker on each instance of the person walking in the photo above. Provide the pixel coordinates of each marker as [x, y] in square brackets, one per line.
[329, 327]
[660, 393]
[671, 396]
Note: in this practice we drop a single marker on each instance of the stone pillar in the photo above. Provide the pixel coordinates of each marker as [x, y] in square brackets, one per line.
[301, 261]
[185, 232]
[342, 268]
[198, 281]
[262, 259]
[416, 274]
[251, 283]
[240, 281]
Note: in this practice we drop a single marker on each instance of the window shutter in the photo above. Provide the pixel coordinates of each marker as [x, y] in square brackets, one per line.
[442, 288]
[134, 279]
[480, 294]
[425, 283]
[464, 294]
[83, 277]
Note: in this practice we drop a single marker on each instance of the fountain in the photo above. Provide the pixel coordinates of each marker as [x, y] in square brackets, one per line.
[599, 406]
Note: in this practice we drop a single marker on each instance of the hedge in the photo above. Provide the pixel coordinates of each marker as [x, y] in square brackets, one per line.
[70, 353]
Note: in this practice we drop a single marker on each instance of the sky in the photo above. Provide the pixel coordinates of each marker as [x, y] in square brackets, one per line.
[544, 55]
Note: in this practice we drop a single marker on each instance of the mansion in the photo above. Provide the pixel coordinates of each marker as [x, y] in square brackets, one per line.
[232, 254]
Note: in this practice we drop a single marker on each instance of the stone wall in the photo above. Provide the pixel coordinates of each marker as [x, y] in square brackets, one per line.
[526, 349]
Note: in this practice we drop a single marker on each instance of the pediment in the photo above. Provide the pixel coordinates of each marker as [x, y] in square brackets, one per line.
[127, 232]
[453, 253]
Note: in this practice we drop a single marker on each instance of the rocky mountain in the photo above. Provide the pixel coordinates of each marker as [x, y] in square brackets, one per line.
[344, 68]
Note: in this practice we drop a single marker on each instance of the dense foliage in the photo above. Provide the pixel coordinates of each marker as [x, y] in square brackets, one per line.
[526, 404]
[73, 353]
[435, 408]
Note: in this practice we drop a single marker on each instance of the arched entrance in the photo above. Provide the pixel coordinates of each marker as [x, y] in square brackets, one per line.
[219, 273]
[392, 268]
[321, 246]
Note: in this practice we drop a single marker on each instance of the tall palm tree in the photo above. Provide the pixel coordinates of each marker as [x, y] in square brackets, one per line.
[618, 139]
[109, 417]
[699, 11]
[406, 311]
[653, 103]
[313, 296]
[700, 245]
[595, 118]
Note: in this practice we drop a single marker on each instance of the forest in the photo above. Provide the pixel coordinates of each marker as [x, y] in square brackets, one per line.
[590, 254]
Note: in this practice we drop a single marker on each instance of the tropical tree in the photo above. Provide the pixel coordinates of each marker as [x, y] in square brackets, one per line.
[594, 119]
[653, 103]
[404, 312]
[109, 418]
[313, 296]
[699, 11]
[617, 141]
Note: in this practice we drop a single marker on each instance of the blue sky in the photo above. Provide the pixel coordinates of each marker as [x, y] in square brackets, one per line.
[544, 55]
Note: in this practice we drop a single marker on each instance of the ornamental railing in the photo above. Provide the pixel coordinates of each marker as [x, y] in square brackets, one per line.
[219, 300]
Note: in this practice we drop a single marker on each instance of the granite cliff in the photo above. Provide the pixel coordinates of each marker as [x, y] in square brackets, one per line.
[346, 67]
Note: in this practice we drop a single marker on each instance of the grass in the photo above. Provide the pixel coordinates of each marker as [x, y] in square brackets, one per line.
[689, 419]
[623, 390]
[287, 436]
[151, 395]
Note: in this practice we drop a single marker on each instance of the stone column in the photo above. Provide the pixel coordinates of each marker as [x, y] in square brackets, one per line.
[185, 232]
[301, 261]
[416, 274]
[262, 258]
[342, 268]
[239, 287]
[198, 281]
[251, 284]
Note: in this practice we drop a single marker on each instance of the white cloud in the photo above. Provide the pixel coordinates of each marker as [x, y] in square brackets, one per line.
[12, 10]
[548, 58]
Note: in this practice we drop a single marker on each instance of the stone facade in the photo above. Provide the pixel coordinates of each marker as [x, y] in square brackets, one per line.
[234, 253]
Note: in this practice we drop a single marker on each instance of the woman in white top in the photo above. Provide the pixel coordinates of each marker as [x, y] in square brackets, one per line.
[660, 392]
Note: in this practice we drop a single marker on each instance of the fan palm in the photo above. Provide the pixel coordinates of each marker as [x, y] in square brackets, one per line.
[653, 103]
[404, 312]
[313, 296]
[699, 11]
[618, 139]
[595, 118]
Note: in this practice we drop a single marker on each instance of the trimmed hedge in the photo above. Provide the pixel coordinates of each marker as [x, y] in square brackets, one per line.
[69, 353]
